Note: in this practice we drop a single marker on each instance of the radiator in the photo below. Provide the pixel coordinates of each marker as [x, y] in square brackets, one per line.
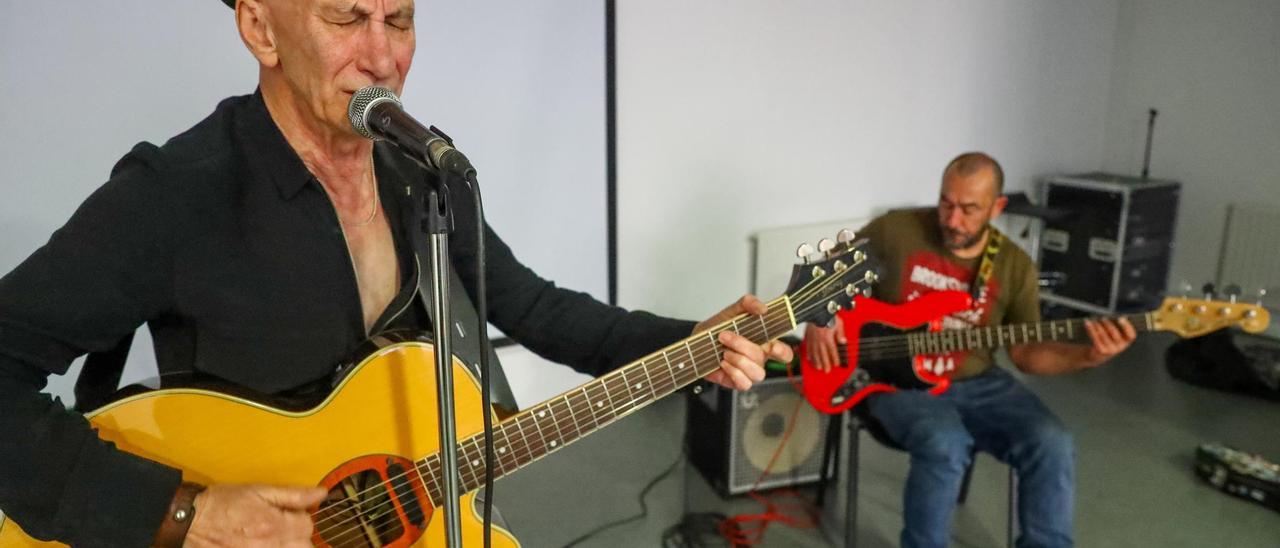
[1250, 249]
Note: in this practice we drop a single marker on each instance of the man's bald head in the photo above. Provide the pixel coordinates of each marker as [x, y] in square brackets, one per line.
[972, 163]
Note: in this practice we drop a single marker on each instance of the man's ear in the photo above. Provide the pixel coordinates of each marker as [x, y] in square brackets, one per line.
[252, 18]
[998, 207]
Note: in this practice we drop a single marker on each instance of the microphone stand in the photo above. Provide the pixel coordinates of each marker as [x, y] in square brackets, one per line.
[437, 222]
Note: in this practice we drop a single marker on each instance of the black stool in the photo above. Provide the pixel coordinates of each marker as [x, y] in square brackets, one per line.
[861, 420]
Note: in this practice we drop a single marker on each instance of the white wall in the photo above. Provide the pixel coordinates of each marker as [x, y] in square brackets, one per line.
[739, 115]
[1212, 69]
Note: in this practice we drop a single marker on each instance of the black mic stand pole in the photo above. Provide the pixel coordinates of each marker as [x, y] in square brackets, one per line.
[437, 222]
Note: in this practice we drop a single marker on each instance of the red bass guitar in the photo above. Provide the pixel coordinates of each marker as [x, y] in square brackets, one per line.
[891, 347]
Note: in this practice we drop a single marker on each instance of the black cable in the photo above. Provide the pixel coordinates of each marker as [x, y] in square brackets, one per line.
[644, 508]
[482, 318]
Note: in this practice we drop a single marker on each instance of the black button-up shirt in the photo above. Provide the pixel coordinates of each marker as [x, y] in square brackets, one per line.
[228, 248]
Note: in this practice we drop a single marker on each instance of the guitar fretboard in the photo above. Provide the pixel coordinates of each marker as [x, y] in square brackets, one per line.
[951, 340]
[555, 423]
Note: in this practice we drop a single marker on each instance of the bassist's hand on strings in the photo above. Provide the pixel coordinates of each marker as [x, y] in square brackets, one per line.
[253, 515]
[821, 344]
[743, 363]
[1108, 337]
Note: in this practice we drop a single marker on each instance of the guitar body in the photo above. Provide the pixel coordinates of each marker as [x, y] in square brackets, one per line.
[380, 418]
[833, 392]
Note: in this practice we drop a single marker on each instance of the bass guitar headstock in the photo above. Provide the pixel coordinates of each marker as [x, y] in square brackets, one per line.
[1195, 317]
[827, 279]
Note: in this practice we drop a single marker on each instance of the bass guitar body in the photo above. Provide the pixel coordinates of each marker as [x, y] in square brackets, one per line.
[363, 443]
[868, 365]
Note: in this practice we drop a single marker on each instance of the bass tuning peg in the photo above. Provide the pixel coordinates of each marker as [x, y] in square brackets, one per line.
[1233, 292]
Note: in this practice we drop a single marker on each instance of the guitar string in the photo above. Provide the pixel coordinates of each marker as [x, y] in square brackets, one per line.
[569, 430]
[665, 385]
[957, 337]
[806, 292]
[577, 432]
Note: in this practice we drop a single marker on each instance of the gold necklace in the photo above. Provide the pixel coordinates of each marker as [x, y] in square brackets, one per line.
[373, 183]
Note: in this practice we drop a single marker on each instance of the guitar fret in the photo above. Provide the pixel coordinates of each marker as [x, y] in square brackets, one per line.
[502, 449]
[431, 481]
[524, 440]
[586, 397]
[1070, 334]
[543, 414]
[675, 383]
[542, 438]
[714, 353]
[473, 464]
[765, 327]
[577, 428]
[693, 361]
[631, 396]
[677, 367]
[648, 378]
[1039, 336]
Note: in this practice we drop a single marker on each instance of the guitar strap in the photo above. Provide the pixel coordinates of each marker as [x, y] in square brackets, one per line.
[988, 263]
[463, 338]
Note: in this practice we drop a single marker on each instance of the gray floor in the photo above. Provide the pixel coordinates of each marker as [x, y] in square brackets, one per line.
[1136, 429]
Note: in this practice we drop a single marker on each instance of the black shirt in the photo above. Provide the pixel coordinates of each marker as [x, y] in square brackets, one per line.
[229, 249]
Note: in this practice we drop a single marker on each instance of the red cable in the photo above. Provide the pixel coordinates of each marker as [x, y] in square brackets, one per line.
[800, 515]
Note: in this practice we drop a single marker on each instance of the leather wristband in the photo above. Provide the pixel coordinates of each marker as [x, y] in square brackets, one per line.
[182, 511]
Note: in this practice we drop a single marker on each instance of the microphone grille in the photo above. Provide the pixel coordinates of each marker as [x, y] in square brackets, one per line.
[362, 102]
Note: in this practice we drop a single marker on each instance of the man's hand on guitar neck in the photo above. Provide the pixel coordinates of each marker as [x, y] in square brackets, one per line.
[1107, 337]
[743, 363]
[822, 344]
[253, 515]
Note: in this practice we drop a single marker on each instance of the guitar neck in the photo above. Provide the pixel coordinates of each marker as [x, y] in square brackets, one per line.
[555, 423]
[990, 337]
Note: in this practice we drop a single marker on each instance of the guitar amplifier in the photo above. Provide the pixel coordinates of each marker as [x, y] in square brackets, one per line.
[732, 435]
[1113, 244]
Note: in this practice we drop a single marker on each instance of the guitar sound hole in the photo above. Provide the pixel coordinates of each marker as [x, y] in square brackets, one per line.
[373, 501]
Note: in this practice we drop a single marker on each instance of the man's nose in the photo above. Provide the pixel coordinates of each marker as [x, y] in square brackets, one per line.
[376, 53]
[953, 218]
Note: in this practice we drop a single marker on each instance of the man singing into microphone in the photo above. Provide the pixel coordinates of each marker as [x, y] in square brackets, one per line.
[261, 247]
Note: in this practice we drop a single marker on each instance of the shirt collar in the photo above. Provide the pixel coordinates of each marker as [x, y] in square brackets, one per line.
[268, 151]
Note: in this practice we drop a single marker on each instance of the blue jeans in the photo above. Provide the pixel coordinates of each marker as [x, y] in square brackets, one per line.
[994, 413]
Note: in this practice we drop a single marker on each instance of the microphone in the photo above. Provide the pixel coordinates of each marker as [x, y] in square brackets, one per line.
[377, 114]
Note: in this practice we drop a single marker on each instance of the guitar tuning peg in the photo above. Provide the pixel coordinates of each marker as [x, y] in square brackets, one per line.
[1209, 291]
[1262, 294]
[804, 251]
[845, 236]
[1185, 286]
[1233, 292]
[825, 245]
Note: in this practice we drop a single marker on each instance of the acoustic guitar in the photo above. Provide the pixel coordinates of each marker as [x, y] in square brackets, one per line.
[373, 441]
[891, 347]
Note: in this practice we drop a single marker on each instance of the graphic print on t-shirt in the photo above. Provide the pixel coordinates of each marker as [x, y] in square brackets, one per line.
[926, 272]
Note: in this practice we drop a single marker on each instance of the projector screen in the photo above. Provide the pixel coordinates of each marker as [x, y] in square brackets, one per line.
[519, 86]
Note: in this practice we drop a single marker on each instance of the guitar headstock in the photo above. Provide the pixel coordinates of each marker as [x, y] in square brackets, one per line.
[1195, 317]
[827, 279]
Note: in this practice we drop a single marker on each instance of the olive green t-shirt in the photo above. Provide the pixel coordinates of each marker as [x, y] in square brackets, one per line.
[913, 261]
